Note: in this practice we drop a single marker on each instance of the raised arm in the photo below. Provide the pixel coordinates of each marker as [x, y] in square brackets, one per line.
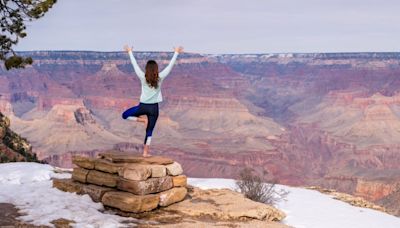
[135, 65]
[163, 74]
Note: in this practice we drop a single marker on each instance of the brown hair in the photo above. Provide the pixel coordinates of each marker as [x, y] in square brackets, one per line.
[152, 73]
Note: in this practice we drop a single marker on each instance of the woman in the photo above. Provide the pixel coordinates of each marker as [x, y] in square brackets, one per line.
[151, 94]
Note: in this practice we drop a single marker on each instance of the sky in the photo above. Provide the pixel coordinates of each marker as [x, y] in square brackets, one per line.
[218, 26]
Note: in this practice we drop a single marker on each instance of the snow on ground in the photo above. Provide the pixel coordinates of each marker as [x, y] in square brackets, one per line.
[311, 209]
[28, 186]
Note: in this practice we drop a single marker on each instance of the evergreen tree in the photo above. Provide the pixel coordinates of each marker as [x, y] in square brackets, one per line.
[13, 15]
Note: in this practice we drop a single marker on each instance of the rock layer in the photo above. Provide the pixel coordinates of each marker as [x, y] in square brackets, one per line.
[144, 187]
[102, 178]
[225, 204]
[129, 202]
[80, 174]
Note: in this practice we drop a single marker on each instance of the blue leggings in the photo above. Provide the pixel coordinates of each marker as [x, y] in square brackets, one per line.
[151, 111]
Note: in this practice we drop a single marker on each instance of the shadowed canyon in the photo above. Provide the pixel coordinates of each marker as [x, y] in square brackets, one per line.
[328, 119]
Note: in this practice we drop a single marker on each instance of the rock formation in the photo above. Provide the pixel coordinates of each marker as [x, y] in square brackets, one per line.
[12, 146]
[155, 191]
[127, 182]
[212, 208]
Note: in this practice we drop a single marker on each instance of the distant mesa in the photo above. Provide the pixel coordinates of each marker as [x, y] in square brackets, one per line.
[109, 68]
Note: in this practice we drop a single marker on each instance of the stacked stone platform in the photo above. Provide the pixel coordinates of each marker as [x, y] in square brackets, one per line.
[130, 183]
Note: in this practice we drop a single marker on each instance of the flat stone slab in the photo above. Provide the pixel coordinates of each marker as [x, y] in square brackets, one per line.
[84, 162]
[107, 166]
[129, 202]
[151, 185]
[67, 185]
[94, 191]
[80, 174]
[102, 178]
[144, 171]
[123, 157]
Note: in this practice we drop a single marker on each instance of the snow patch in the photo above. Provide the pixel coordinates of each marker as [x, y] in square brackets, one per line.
[28, 186]
[311, 209]
[25, 172]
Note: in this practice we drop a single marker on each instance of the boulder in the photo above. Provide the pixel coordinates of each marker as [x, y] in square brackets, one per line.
[102, 178]
[136, 172]
[224, 204]
[179, 181]
[84, 162]
[107, 166]
[144, 187]
[123, 157]
[129, 202]
[174, 169]
[80, 174]
[67, 185]
[172, 195]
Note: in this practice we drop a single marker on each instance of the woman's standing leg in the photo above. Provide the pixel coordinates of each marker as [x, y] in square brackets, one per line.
[152, 119]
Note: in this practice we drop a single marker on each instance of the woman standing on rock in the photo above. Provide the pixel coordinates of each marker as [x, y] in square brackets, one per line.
[151, 94]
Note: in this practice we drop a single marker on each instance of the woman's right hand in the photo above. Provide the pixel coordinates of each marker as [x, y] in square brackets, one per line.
[127, 48]
[178, 49]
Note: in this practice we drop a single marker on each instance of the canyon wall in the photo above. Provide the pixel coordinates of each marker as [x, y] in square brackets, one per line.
[329, 119]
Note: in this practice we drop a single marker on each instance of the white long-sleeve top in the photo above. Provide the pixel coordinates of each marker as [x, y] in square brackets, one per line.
[151, 95]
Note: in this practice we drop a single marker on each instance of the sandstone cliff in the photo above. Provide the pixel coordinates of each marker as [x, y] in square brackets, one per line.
[12, 146]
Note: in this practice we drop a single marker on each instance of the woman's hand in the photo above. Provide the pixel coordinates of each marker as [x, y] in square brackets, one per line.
[127, 48]
[178, 49]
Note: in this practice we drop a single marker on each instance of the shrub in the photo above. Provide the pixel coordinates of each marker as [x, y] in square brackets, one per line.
[256, 188]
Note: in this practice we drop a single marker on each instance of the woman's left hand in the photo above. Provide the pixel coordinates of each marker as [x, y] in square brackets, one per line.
[178, 49]
[127, 48]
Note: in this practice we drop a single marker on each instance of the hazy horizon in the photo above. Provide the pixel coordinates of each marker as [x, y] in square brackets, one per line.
[260, 53]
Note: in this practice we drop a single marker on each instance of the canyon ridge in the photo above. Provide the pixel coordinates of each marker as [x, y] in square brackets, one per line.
[326, 119]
